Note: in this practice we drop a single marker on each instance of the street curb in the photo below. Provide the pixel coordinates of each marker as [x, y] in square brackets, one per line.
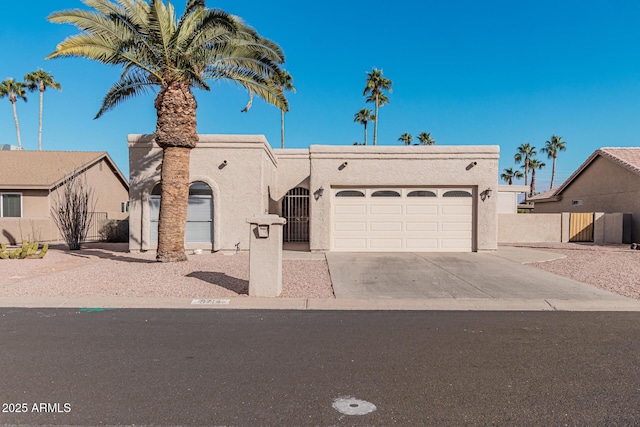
[449, 304]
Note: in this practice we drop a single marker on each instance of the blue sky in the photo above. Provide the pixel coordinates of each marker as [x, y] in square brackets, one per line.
[488, 73]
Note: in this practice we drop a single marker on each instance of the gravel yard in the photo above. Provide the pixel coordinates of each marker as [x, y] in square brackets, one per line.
[614, 268]
[107, 269]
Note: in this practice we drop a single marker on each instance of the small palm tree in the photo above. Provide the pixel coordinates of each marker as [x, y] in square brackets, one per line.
[406, 138]
[374, 91]
[40, 80]
[363, 116]
[14, 90]
[551, 149]
[425, 138]
[284, 82]
[525, 152]
[158, 50]
[508, 175]
[534, 164]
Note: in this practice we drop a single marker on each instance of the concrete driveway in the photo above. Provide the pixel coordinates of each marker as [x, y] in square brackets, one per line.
[498, 275]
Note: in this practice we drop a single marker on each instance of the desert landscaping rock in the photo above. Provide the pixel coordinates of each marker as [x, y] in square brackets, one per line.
[614, 268]
[106, 270]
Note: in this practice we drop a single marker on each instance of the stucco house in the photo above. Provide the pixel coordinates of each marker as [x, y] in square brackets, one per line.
[335, 198]
[30, 181]
[608, 181]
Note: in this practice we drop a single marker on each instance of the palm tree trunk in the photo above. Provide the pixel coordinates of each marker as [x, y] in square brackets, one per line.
[176, 134]
[375, 124]
[15, 118]
[533, 182]
[553, 173]
[282, 126]
[365, 133]
[40, 122]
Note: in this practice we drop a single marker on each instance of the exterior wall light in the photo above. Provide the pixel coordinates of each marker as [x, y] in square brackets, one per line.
[223, 164]
[318, 193]
[486, 194]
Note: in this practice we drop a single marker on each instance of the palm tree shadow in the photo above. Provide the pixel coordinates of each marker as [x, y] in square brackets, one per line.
[239, 286]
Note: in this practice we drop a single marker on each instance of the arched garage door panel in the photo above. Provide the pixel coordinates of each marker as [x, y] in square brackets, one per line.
[397, 220]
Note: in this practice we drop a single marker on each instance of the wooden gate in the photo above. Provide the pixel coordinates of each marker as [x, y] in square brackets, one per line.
[581, 227]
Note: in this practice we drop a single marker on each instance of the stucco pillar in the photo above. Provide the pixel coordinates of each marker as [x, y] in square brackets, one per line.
[565, 227]
[598, 227]
[265, 255]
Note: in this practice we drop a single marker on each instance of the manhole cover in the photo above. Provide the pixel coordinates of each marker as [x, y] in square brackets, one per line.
[352, 406]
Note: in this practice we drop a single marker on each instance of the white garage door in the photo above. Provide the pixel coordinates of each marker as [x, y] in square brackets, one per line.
[402, 219]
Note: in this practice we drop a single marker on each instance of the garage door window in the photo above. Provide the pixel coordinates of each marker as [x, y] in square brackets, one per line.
[457, 193]
[385, 193]
[350, 193]
[421, 193]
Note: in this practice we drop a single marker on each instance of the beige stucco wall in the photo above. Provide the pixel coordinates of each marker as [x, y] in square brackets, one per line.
[529, 228]
[603, 186]
[240, 189]
[405, 166]
[256, 178]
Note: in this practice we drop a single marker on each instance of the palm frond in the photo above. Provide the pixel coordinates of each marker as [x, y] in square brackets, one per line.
[130, 85]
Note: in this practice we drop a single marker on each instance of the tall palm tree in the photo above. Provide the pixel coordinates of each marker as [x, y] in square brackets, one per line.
[284, 82]
[363, 116]
[534, 164]
[406, 138]
[508, 175]
[14, 90]
[374, 91]
[157, 50]
[551, 149]
[425, 138]
[40, 80]
[525, 152]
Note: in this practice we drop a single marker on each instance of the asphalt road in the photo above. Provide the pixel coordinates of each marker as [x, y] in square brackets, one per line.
[287, 368]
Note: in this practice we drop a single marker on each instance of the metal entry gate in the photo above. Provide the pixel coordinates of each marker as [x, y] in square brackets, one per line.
[295, 208]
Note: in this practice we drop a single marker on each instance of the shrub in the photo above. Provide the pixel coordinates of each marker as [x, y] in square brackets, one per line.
[115, 230]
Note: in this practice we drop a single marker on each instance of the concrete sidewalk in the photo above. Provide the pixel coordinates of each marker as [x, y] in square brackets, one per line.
[462, 304]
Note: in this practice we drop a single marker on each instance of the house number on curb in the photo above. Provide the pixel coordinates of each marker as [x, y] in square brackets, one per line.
[210, 301]
[351, 406]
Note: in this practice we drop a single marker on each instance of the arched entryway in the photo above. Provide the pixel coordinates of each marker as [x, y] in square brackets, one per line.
[199, 213]
[295, 208]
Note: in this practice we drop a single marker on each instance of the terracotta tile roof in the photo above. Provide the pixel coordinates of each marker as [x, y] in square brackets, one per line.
[627, 157]
[41, 169]
[543, 195]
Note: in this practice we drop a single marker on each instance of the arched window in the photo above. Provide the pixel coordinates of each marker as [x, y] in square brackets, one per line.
[199, 213]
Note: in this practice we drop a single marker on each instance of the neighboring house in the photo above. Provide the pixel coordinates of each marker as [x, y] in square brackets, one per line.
[30, 181]
[508, 196]
[608, 181]
[338, 198]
